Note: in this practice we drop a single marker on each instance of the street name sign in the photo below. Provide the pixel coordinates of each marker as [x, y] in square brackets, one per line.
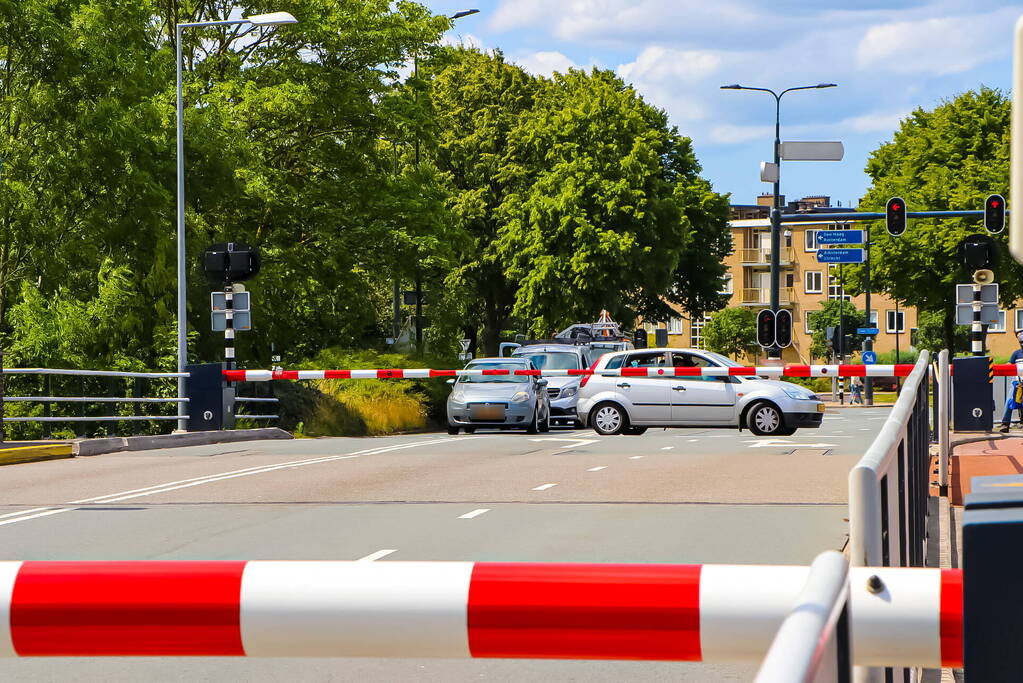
[840, 256]
[873, 331]
[812, 151]
[840, 237]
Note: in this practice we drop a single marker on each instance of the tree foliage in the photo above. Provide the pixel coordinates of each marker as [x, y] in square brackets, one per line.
[732, 332]
[949, 158]
[829, 314]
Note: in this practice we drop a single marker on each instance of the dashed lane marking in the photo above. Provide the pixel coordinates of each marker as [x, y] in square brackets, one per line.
[597, 469]
[474, 513]
[373, 557]
[668, 448]
[544, 487]
[635, 457]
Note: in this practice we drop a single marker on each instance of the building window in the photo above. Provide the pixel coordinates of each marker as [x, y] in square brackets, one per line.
[1000, 327]
[696, 331]
[812, 282]
[807, 322]
[1019, 319]
[810, 241]
[726, 284]
[790, 280]
[674, 325]
[873, 319]
[896, 321]
[835, 289]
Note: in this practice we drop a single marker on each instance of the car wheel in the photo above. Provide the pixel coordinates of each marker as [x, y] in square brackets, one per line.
[545, 426]
[453, 430]
[534, 425]
[609, 419]
[788, 431]
[470, 430]
[578, 424]
[765, 420]
[635, 431]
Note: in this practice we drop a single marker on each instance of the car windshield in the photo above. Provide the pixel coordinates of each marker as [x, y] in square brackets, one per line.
[728, 362]
[554, 360]
[495, 365]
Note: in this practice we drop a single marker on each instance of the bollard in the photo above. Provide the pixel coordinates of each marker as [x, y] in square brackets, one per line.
[992, 591]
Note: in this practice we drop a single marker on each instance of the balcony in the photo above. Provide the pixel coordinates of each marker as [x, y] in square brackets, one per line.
[762, 257]
[761, 296]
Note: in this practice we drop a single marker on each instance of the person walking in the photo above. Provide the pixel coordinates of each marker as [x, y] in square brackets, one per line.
[1015, 399]
[857, 391]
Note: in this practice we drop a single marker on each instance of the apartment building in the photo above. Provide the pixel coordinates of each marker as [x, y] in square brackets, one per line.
[805, 284]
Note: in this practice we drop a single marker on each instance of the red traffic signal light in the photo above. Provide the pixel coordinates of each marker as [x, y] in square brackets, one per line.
[994, 213]
[783, 328]
[766, 328]
[895, 216]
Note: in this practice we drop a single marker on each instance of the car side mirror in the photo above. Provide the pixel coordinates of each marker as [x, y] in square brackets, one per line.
[451, 381]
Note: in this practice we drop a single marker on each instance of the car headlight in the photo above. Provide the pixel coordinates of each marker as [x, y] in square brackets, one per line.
[520, 396]
[799, 394]
[568, 392]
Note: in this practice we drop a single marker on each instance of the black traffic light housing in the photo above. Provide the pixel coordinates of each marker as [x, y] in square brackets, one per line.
[229, 262]
[994, 213]
[895, 216]
[766, 329]
[783, 328]
[978, 252]
[639, 339]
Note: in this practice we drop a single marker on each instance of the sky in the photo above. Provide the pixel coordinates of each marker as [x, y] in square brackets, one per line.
[888, 57]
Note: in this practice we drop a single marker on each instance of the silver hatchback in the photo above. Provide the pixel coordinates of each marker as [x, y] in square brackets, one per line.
[499, 401]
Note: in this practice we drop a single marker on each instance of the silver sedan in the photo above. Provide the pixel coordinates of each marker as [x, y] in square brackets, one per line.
[500, 401]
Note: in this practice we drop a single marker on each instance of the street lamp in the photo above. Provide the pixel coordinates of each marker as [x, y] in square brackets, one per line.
[271, 19]
[774, 351]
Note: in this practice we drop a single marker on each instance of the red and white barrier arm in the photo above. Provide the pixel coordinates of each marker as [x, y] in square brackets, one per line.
[457, 609]
[901, 370]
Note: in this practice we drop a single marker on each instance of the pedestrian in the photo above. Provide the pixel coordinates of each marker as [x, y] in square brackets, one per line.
[1015, 399]
[857, 391]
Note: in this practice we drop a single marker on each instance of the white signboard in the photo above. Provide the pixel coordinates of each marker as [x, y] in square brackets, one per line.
[988, 294]
[812, 151]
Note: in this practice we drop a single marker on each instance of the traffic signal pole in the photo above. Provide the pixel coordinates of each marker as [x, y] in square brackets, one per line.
[868, 343]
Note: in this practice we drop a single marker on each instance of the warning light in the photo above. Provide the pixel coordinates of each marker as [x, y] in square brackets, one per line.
[994, 213]
[766, 328]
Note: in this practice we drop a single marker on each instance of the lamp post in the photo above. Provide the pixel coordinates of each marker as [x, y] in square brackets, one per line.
[272, 19]
[774, 351]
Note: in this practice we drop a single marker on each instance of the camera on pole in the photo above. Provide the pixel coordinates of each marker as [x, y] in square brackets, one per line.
[766, 329]
[895, 216]
[994, 213]
[783, 328]
[229, 262]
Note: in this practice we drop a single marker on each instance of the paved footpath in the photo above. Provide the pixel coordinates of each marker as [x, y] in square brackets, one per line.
[684, 496]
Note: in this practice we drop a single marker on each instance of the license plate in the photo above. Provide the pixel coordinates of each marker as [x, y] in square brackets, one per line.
[486, 411]
[820, 407]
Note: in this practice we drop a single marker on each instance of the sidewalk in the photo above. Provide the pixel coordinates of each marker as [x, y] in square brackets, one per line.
[992, 455]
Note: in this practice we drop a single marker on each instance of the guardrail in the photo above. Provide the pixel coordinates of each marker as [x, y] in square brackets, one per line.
[723, 613]
[48, 399]
[813, 644]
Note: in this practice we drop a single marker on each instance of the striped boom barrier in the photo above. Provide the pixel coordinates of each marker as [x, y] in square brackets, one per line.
[459, 609]
[901, 370]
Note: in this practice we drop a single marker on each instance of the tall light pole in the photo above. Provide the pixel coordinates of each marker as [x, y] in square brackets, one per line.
[272, 19]
[419, 277]
[774, 351]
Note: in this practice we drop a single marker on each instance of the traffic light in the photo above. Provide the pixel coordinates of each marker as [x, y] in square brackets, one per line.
[895, 216]
[639, 339]
[230, 262]
[783, 328]
[978, 252]
[994, 213]
[766, 328]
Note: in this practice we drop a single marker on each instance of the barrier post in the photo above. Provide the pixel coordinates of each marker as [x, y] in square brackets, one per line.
[210, 399]
[943, 401]
[2, 395]
[992, 590]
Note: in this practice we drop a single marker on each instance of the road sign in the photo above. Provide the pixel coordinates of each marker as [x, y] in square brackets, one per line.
[768, 172]
[239, 302]
[989, 314]
[840, 237]
[869, 357]
[869, 331]
[241, 321]
[465, 344]
[988, 294]
[812, 151]
[840, 255]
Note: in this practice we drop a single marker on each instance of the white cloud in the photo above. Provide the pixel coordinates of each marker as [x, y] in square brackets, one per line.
[546, 63]
[658, 63]
[729, 134]
[938, 45]
[873, 122]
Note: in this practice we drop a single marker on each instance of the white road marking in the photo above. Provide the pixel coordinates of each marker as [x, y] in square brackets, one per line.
[576, 443]
[693, 440]
[596, 469]
[635, 457]
[668, 448]
[474, 513]
[35, 513]
[372, 557]
[544, 487]
[768, 443]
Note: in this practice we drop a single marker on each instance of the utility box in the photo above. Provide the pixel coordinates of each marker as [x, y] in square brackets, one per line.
[210, 399]
[661, 337]
[973, 400]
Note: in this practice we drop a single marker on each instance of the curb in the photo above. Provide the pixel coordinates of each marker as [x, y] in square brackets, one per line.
[993, 436]
[22, 454]
[85, 447]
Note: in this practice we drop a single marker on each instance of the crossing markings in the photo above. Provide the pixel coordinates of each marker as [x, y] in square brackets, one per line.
[544, 487]
[373, 557]
[474, 513]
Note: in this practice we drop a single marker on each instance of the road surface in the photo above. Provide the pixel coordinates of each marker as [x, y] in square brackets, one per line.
[682, 496]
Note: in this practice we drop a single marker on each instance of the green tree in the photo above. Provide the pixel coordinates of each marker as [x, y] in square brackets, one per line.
[732, 332]
[829, 315]
[930, 333]
[949, 158]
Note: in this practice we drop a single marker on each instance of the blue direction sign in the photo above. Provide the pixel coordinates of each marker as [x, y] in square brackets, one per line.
[840, 255]
[840, 237]
[873, 331]
[868, 357]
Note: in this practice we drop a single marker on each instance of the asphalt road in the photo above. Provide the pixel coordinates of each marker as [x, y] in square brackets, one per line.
[690, 496]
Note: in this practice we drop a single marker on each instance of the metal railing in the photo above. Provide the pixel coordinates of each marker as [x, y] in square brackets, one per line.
[942, 406]
[762, 256]
[257, 400]
[812, 643]
[762, 295]
[49, 398]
